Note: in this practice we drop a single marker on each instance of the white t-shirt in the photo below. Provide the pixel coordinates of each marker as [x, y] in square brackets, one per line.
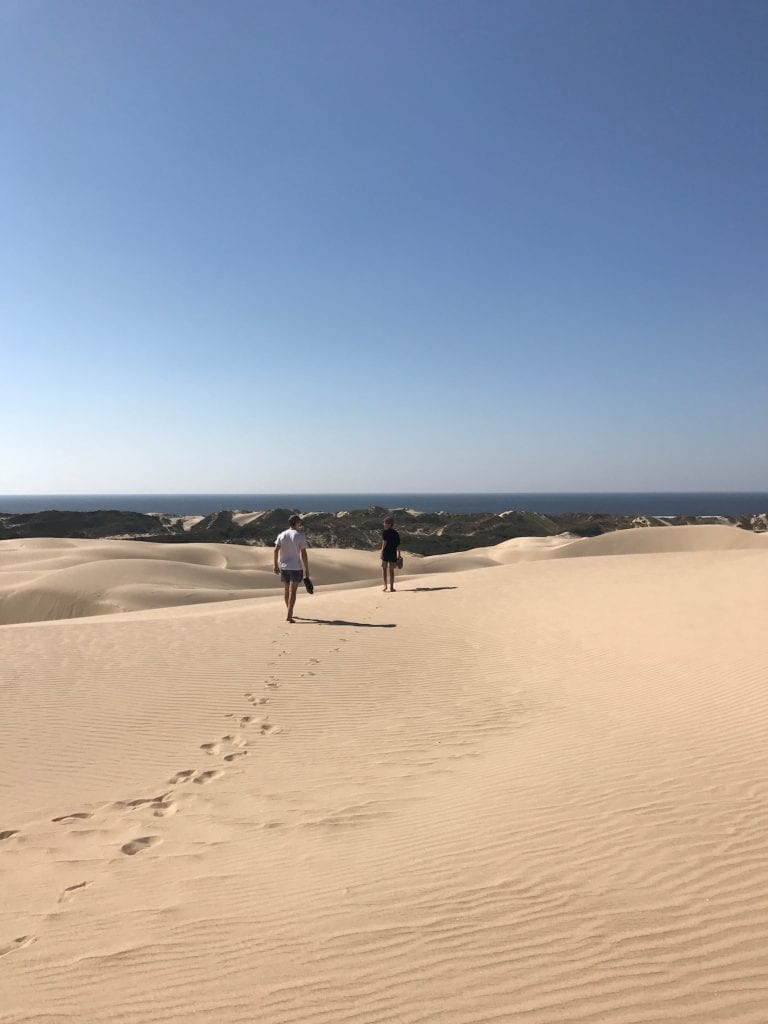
[291, 543]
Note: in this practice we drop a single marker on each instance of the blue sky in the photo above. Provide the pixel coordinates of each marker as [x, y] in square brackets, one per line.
[392, 246]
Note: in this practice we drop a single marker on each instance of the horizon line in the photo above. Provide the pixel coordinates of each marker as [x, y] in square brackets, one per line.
[206, 494]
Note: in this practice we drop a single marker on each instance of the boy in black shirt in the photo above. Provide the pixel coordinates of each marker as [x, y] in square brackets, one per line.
[390, 552]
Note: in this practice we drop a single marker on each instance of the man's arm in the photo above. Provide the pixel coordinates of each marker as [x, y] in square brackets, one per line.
[305, 561]
[277, 553]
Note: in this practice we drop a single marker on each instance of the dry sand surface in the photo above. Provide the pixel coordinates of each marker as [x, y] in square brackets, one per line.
[526, 787]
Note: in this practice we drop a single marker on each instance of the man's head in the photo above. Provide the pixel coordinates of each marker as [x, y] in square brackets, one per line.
[295, 522]
[389, 522]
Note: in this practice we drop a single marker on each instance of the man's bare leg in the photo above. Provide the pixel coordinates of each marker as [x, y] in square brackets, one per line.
[287, 595]
[291, 601]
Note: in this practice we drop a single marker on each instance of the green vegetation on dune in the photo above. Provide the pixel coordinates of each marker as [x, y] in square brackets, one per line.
[423, 533]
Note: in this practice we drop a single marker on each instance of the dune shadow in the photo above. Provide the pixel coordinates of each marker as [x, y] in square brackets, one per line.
[344, 622]
[427, 590]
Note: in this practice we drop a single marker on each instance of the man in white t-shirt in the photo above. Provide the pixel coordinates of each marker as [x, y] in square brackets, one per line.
[291, 562]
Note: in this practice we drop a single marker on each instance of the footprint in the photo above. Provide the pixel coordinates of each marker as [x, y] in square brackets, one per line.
[184, 776]
[246, 720]
[20, 943]
[233, 740]
[7, 835]
[69, 892]
[77, 816]
[262, 700]
[239, 753]
[205, 777]
[141, 801]
[313, 661]
[248, 695]
[267, 729]
[273, 686]
[210, 748]
[163, 809]
[139, 845]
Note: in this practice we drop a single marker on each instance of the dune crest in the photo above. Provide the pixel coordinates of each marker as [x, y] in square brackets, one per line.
[43, 579]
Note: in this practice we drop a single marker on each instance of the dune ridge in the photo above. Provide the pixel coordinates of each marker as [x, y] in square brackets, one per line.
[43, 578]
[526, 787]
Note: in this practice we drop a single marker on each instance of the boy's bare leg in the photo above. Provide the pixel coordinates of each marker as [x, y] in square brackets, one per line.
[391, 577]
[384, 573]
[292, 600]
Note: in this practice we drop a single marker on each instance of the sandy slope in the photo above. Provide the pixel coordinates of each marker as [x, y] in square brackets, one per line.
[526, 787]
[43, 579]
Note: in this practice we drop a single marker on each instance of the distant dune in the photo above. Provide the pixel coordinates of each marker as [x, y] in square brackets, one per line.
[43, 578]
[528, 787]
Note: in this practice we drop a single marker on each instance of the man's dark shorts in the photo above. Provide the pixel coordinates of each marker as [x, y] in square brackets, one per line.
[291, 575]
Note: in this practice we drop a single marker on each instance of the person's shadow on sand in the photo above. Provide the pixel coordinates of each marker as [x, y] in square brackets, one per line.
[344, 622]
[425, 590]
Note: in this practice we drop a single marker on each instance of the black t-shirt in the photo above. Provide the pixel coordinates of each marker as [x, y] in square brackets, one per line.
[391, 540]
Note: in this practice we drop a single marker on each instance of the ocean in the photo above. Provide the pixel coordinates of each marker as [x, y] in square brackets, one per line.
[656, 503]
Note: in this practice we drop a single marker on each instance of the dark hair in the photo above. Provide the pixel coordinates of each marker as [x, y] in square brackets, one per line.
[293, 520]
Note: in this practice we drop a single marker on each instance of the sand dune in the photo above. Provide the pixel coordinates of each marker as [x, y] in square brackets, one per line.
[526, 787]
[49, 579]
[44, 579]
[677, 538]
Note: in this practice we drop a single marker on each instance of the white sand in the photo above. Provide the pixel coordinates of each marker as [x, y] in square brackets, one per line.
[527, 787]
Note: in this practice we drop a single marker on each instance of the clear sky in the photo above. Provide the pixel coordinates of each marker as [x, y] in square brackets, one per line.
[383, 246]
